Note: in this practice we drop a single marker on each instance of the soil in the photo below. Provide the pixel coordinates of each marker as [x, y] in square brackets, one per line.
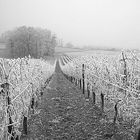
[65, 114]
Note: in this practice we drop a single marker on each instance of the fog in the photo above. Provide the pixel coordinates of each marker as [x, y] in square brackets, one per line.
[103, 23]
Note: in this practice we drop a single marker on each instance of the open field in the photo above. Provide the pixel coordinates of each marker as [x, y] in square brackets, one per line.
[2, 46]
[4, 52]
[64, 50]
[80, 52]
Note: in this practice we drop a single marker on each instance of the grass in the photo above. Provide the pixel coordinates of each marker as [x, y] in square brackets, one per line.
[65, 114]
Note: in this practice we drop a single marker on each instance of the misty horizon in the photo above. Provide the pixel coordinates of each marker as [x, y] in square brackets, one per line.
[111, 24]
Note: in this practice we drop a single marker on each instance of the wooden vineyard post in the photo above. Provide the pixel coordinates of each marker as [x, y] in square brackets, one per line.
[80, 82]
[124, 71]
[76, 82]
[116, 112]
[125, 68]
[10, 127]
[102, 101]
[93, 95]
[9, 121]
[32, 104]
[83, 77]
[138, 137]
[71, 78]
[24, 125]
[88, 90]
[33, 99]
[41, 93]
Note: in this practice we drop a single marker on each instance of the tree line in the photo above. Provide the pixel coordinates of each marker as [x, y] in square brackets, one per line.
[24, 41]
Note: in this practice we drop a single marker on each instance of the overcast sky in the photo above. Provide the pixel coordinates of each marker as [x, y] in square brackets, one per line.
[114, 23]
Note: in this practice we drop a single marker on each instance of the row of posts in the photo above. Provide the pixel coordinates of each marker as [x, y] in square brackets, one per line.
[10, 128]
[9, 121]
[34, 104]
[82, 84]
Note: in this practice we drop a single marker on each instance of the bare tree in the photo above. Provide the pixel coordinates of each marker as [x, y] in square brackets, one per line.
[35, 42]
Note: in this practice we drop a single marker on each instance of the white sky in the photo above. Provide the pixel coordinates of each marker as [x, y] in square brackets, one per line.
[114, 23]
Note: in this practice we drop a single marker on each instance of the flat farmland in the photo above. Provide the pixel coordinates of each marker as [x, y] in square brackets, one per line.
[4, 52]
[81, 51]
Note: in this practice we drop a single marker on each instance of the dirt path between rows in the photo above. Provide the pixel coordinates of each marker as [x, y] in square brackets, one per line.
[66, 115]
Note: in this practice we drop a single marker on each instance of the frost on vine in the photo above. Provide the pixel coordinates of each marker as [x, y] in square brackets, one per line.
[19, 81]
